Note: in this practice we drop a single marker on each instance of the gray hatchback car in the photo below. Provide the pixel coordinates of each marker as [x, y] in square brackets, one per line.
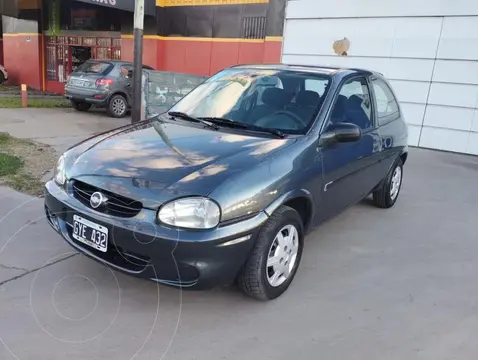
[225, 186]
[104, 83]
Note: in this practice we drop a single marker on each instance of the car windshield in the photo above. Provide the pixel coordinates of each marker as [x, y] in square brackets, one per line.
[276, 99]
[96, 67]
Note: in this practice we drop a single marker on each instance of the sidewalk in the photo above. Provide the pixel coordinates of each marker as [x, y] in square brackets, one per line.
[59, 128]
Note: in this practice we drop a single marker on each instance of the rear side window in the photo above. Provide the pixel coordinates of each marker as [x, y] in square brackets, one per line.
[387, 105]
[96, 67]
[124, 70]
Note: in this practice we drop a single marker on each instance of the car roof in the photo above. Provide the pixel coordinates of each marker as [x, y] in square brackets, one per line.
[118, 62]
[109, 61]
[315, 69]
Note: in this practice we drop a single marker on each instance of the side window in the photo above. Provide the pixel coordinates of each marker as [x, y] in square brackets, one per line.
[387, 105]
[353, 104]
[124, 70]
[317, 85]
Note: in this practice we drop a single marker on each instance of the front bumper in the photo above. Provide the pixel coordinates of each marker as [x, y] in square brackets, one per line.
[141, 247]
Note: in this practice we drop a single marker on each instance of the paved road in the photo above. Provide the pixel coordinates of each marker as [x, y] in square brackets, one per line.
[373, 284]
[59, 128]
[398, 284]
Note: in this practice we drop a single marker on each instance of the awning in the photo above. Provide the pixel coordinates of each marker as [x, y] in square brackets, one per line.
[128, 5]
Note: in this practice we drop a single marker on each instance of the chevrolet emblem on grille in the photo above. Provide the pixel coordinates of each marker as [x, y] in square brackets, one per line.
[97, 199]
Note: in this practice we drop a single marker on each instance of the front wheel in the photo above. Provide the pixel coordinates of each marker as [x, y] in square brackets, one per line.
[386, 196]
[275, 258]
[117, 106]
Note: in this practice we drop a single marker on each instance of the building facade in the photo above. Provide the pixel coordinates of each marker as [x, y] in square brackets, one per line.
[45, 40]
[428, 49]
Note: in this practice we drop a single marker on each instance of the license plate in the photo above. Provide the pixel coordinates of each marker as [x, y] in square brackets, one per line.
[89, 233]
[83, 83]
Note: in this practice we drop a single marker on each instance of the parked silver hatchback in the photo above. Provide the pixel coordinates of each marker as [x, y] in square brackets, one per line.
[103, 83]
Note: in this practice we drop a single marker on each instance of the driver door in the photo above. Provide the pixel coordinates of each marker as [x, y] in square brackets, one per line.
[348, 167]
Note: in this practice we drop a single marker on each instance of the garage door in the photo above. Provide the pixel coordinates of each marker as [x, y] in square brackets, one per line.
[430, 56]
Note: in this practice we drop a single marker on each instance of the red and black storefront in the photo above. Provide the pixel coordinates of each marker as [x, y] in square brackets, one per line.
[44, 40]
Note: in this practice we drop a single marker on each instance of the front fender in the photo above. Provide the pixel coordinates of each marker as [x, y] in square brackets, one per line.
[292, 195]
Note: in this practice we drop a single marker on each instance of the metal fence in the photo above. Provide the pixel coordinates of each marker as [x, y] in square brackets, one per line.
[162, 89]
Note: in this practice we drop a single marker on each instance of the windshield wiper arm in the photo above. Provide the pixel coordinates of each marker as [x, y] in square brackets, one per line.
[225, 121]
[275, 132]
[184, 116]
[235, 124]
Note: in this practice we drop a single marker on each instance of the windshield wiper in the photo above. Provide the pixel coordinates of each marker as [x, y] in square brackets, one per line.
[225, 121]
[238, 125]
[184, 116]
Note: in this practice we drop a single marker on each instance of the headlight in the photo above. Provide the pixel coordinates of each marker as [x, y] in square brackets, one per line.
[191, 213]
[60, 175]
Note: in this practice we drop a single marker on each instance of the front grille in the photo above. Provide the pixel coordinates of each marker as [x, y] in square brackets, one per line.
[116, 205]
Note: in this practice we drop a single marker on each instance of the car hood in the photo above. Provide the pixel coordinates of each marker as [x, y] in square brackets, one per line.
[156, 161]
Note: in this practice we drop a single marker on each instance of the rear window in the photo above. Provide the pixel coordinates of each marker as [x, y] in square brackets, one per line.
[96, 67]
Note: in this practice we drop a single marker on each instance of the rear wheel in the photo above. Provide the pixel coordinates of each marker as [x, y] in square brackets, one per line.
[275, 258]
[80, 105]
[386, 196]
[2, 78]
[117, 106]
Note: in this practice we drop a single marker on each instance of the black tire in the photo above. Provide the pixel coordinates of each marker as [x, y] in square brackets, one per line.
[253, 278]
[80, 106]
[117, 106]
[382, 197]
[2, 78]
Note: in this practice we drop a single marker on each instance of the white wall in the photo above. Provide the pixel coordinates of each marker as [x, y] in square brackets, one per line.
[431, 61]
[379, 8]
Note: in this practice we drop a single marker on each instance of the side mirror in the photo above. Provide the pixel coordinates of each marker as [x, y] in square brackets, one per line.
[340, 132]
[130, 74]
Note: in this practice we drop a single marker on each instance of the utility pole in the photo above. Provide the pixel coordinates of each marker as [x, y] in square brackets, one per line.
[138, 60]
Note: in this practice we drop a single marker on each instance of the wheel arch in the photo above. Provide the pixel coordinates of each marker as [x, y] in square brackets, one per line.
[404, 157]
[300, 200]
[123, 94]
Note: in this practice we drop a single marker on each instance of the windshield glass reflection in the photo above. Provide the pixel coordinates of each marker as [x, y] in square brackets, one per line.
[276, 99]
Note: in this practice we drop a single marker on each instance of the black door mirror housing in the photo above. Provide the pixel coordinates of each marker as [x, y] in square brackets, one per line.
[340, 132]
[130, 74]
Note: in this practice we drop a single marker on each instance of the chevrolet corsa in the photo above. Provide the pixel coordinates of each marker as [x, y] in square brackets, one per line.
[225, 186]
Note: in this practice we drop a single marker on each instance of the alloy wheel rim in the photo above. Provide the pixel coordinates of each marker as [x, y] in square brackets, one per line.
[282, 255]
[118, 106]
[396, 182]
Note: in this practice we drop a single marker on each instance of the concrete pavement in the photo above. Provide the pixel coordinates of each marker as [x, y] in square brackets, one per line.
[59, 128]
[373, 284]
